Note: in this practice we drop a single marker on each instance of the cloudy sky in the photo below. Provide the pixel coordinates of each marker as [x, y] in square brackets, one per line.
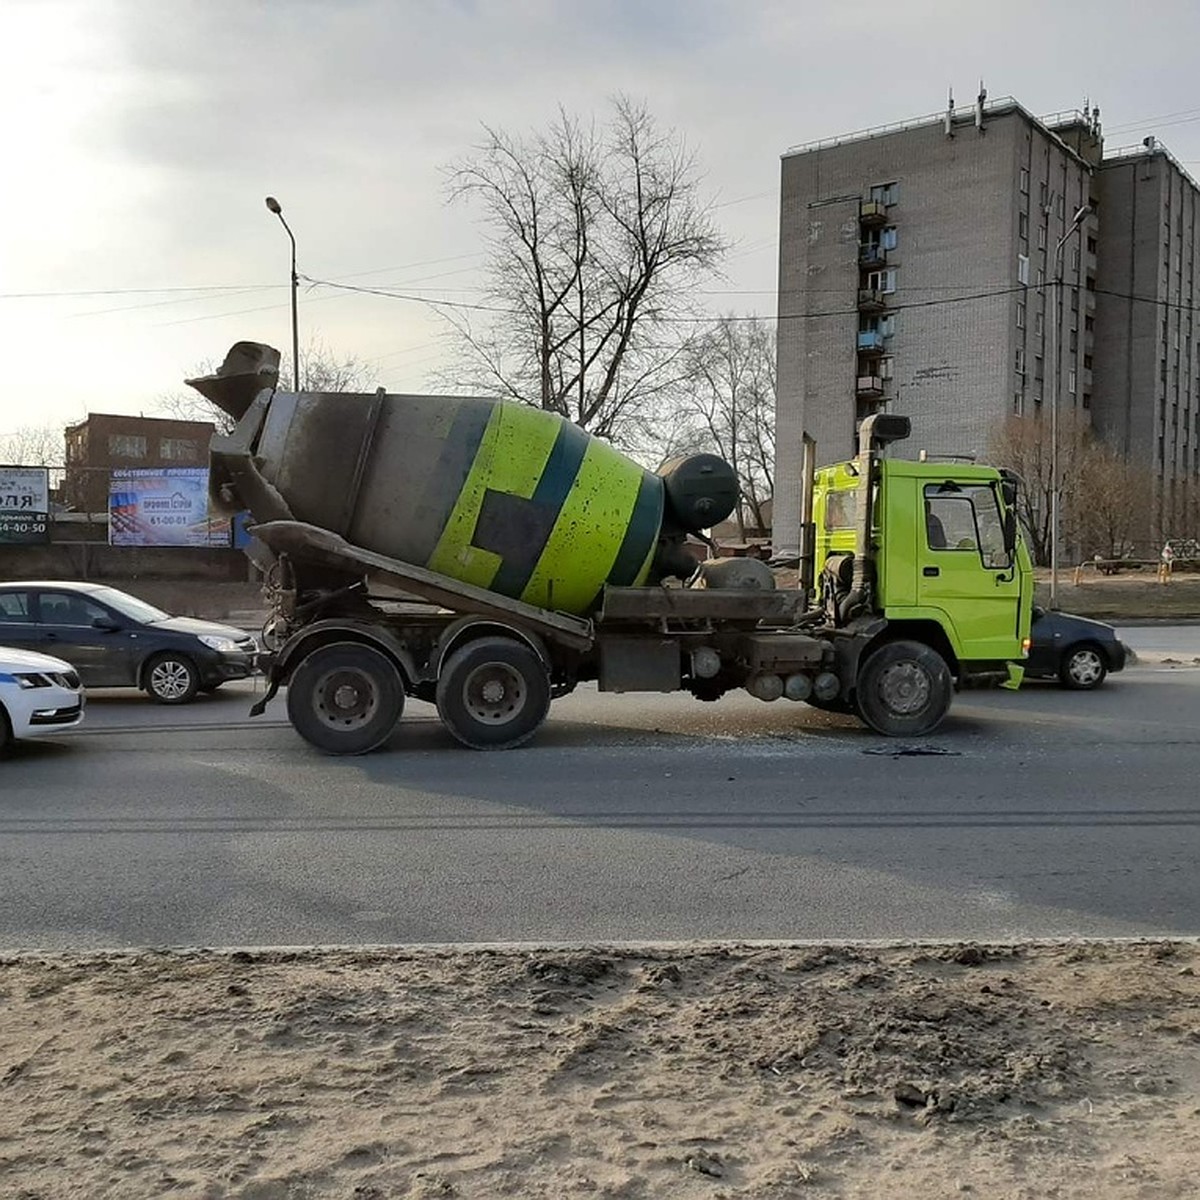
[141, 136]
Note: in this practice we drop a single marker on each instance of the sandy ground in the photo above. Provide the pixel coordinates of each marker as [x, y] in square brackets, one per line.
[996, 1071]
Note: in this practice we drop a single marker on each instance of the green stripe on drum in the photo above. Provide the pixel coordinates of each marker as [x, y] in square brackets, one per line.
[518, 529]
[446, 477]
[632, 564]
[511, 459]
[590, 531]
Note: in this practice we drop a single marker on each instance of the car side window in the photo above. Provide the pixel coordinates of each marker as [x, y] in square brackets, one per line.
[14, 607]
[63, 608]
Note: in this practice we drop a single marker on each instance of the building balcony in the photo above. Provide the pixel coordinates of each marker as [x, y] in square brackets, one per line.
[871, 256]
[870, 340]
[872, 214]
[869, 387]
[871, 300]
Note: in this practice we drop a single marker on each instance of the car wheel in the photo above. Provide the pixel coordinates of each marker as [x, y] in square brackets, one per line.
[493, 694]
[904, 689]
[345, 698]
[171, 679]
[1083, 668]
[6, 733]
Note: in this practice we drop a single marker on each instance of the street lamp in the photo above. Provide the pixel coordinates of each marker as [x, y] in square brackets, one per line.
[1056, 375]
[274, 206]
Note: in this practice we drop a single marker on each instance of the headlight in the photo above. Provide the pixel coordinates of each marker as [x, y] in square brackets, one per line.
[32, 680]
[222, 645]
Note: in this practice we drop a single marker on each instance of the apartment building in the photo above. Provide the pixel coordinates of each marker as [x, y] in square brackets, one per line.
[1146, 397]
[918, 270]
[916, 273]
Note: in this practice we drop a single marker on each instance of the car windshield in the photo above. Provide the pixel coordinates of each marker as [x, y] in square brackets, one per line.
[130, 606]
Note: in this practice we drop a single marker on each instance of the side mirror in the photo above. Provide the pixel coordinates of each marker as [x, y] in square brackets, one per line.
[106, 623]
[1010, 532]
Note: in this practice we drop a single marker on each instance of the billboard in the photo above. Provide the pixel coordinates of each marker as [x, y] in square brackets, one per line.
[166, 506]
[24, 505]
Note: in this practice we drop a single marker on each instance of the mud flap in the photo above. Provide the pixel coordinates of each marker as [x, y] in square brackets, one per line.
[1016, 673]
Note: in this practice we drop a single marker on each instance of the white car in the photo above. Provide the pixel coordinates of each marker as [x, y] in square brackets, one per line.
[39, 695]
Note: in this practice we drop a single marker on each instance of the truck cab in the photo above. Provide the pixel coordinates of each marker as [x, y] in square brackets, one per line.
[945, 564]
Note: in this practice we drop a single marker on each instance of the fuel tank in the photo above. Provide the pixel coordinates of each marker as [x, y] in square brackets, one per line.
[493, 493]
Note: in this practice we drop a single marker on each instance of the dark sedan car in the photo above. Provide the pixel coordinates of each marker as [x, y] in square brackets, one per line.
[116, 640]
[1076, 651]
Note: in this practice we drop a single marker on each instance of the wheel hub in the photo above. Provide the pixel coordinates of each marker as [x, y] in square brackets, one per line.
[904, 688]
[494, 693]
[345, 698]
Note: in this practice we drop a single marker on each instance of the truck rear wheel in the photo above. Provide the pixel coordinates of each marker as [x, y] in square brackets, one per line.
[904, 689]
[493, 694]
[345, 698]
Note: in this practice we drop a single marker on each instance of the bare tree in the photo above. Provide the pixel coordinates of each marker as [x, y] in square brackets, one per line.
[1023, 444]
[1114, 503]
[33, 446]
[321, 370]
[728, 393]
[596, 240]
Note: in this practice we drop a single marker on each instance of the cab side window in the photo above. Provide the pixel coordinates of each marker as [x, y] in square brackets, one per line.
[965, 517]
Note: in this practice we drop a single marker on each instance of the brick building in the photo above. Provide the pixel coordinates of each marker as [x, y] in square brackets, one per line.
[104, 441]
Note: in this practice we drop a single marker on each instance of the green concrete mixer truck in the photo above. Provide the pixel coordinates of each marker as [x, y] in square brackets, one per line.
[488, 557]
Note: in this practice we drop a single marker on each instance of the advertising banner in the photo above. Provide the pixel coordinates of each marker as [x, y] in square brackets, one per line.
[24, 505]
[162, 507]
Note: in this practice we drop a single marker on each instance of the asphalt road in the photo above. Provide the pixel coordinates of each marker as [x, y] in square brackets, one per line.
[1036, 814]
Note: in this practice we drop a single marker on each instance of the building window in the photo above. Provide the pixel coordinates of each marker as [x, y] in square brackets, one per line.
[1071, 382]
[889, 239]
[177, 450]
[886, 367]
[1062, 207]
[1040, 279]
[1017, 403]
[1020, 316]
[1024, 177]
[1087, 399]
[1020, 361]
[882, 281]
[885, 193]
[1039, 325]
[1041, 237]
[1044, 196]
[126, 445]
[1023, 268]
[1091, 245]
[1074, 340]
[1039, 367]
[1022, 226]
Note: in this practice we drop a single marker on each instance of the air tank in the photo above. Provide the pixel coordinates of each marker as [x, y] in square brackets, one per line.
[493, 493]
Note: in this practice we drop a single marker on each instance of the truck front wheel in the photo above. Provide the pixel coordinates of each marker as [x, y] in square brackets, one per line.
[492, 694]
[345, 698]
[904, 689]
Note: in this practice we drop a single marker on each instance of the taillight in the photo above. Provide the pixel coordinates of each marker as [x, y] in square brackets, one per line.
[1025, 645]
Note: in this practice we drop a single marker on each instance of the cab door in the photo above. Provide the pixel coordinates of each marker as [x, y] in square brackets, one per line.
[966, 570]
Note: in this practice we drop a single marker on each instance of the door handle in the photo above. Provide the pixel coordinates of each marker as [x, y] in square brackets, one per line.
[930, 571]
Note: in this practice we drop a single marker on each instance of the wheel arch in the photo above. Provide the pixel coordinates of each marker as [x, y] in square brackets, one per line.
[330, 633]
[471, 629]
[927, 632]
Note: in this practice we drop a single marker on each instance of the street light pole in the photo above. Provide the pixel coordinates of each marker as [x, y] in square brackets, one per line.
[1056, 375]
[274, 206]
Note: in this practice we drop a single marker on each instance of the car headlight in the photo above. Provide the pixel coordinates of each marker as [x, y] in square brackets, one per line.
[32, 680]
[222, 645]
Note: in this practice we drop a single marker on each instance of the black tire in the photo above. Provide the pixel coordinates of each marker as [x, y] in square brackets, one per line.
[6, 733]
[209, 688]
[1083, 667]
[904, 689]
[493, 694]
[171, 678]
[345, 698]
